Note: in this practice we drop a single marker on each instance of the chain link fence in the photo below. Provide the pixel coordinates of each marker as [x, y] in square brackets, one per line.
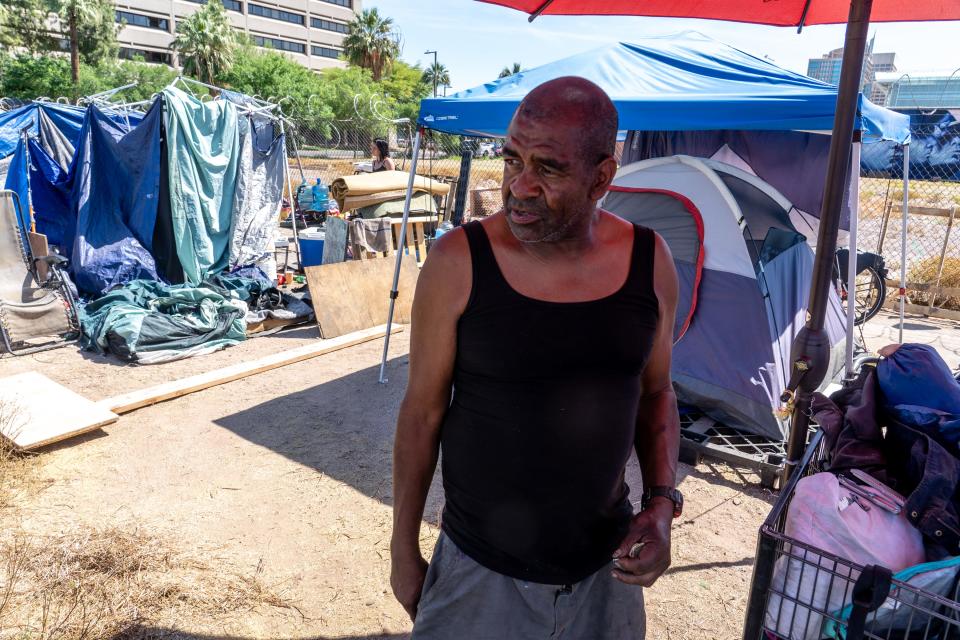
[933, 244]
[338, 148]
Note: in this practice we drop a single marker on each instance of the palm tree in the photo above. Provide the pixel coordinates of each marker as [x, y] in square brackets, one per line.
[509, 71]
[75, 13]
[437, 75]
[205, 43]
[372, 42]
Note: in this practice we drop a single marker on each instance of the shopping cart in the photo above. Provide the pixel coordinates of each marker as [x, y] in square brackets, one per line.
[775, 611]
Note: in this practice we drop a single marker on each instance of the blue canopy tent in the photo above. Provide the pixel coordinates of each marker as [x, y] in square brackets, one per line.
[686, 82]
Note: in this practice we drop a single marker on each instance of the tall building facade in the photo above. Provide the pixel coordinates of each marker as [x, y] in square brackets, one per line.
[920, 90]
[827, 69]
[309, 31]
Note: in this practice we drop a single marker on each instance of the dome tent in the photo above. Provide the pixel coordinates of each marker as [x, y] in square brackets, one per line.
[744, 273]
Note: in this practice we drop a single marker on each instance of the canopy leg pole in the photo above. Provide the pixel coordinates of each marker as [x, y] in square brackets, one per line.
[293, 205]
[810, 355]
[903, 237]
[852, 245]
[401, 240]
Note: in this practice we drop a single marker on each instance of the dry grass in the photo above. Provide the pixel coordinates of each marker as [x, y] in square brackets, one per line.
[926, 272]
[18, 477]
[109, 583]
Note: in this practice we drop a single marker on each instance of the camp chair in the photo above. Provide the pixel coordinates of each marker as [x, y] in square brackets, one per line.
[35, 313]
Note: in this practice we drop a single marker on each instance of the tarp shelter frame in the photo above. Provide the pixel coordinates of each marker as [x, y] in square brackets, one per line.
[271, 110]
[853, 183]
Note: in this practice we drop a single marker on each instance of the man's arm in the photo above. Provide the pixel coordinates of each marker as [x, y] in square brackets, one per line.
[657, 440]
[442, 291]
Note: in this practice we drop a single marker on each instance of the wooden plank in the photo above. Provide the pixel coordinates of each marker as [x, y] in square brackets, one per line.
[36, 411]
[949, 292]
[39, 249]
[936, 212]
[131, 401]
[355, 295]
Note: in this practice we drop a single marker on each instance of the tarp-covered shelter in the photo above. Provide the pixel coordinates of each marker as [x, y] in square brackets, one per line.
[168, 218]
[672, 88]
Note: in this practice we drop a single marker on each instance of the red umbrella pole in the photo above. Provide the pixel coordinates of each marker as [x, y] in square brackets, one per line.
[810, 354]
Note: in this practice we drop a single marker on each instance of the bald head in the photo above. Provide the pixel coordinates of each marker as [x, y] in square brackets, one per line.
[576, 102]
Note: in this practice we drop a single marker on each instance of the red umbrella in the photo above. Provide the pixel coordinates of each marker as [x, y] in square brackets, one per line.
[811, 350]
[782, 13]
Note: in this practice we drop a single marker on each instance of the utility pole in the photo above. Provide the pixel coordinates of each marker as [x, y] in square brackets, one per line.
[434, 73]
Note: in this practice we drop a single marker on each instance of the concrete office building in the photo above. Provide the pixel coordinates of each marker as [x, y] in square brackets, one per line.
[309, 31]
[827, 69]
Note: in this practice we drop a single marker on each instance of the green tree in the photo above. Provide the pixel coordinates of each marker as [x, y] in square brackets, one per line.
[23, 23]
[506, 72]
[372, 43]
[270, 74]
[437, 75]
[404, 88]
[27, 77]
[206, 43]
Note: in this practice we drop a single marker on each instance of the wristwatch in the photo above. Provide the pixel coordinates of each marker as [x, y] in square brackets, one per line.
[663, 492]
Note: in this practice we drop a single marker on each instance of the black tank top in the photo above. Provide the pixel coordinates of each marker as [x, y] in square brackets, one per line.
[542, 420]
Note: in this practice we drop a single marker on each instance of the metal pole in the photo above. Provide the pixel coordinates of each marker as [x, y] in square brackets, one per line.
[852, 258]
[810, 355]
[903, 236]
[400, 242]
[293, 205]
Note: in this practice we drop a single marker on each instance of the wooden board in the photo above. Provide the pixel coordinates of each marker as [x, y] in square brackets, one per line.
[178, 388]
[39, 249]
[355, 295]
[36, 411]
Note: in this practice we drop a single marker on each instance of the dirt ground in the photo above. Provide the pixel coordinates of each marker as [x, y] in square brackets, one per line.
[286, 476]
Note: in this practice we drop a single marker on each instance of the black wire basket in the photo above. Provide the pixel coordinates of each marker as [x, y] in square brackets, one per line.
[819, 606]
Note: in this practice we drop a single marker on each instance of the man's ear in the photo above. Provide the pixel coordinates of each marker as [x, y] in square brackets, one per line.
[606, 171]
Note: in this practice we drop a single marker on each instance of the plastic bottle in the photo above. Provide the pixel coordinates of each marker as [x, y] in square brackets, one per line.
[321, 196]
[443, 227]
[333, 209]
[304, 196]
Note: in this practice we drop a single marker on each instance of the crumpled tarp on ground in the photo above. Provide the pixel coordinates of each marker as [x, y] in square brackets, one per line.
[256, 206]
[148, 322]
[203, 147]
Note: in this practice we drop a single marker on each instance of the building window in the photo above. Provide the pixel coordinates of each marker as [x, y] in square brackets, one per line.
[140, 20]
[156, 57]
[274, 14]
[278, 44]
[341, 3]
[231, 5]
[325, 52]
[329, 25]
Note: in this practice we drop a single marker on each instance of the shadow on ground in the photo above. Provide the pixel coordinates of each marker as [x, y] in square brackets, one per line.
[156, 633]
[342, 428]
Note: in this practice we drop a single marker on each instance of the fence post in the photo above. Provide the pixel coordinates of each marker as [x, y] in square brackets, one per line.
[463, 182]
[943, 256]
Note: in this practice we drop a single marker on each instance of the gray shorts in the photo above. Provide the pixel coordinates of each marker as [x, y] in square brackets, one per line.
[463, 600]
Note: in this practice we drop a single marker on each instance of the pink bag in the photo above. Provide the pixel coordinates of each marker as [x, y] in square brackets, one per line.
[854, 534]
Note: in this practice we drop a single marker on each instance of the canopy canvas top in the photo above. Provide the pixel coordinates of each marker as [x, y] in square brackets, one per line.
[681, 82]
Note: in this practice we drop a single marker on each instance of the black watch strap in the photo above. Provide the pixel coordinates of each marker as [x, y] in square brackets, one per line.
[663, 492]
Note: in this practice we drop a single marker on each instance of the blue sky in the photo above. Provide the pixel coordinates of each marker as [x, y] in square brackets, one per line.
[476, 40]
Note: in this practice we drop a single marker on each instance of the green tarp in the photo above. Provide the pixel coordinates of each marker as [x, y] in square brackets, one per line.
[203, 148]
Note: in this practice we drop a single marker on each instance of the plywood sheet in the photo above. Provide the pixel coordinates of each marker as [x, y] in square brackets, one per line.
[355, 295]
[36, 411]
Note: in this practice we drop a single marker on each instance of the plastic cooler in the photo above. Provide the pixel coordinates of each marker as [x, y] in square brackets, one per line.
[311, 247]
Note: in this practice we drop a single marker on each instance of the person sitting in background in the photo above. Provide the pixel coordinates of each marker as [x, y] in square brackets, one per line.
[380, 149]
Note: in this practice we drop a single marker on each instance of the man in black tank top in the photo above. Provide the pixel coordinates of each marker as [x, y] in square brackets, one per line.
[539, 357]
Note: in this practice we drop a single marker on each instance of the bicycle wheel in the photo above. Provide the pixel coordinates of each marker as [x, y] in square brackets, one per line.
[869, 296]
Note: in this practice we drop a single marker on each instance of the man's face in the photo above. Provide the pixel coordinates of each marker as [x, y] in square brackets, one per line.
[547, 185]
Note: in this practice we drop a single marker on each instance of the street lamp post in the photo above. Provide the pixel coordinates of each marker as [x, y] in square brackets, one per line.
[434, 74]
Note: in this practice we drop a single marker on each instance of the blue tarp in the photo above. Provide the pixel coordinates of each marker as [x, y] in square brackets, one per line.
[681, 82]
[101, 210]
[116, 183]
[67, 118]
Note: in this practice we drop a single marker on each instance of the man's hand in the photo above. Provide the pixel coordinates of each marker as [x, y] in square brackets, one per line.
[644, 554]
[407, 572]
